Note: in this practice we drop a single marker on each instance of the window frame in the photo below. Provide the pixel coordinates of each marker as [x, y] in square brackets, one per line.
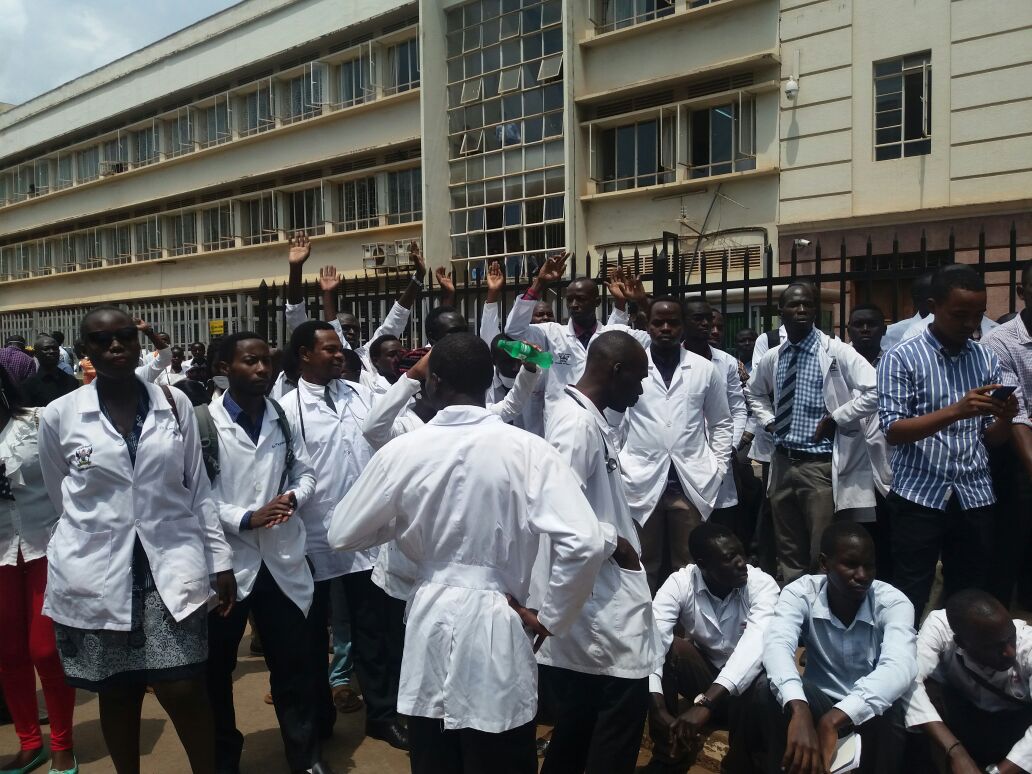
[904, 146]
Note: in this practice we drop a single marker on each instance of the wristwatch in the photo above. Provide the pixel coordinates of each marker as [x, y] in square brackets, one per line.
[702, 700]
[992, 768]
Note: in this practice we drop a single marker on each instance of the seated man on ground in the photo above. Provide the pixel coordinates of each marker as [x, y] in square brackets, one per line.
[724, 606]
[973, 693]
[860, 661]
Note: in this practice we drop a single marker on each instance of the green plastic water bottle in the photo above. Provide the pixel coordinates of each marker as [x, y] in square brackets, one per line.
[521, 350]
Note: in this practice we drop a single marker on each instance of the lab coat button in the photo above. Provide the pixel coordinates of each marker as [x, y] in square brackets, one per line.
[137, 522]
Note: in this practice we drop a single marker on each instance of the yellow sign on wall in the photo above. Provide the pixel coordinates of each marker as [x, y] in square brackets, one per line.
[217, 327]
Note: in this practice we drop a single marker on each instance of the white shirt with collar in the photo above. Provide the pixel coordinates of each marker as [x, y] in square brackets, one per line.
[468, 660]
[939, 658]
[894, 333]
[687, 425]
[249, 477]
[106, 502]
[850, 395]
[27, 521]
[339, 453]
[728, 364]
[763, 443]
[615, 634]
[569, 355]
[729, 632]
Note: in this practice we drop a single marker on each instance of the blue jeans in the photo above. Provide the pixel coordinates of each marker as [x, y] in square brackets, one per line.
[342, 665]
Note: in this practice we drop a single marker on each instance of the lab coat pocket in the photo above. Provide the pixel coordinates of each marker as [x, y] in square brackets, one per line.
[180, 542]
[78, 561]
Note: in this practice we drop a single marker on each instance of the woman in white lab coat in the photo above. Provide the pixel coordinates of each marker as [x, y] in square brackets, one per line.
[137, 541]
[27, 645]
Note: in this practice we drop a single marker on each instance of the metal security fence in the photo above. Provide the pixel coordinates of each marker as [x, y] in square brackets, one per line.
[743, 283]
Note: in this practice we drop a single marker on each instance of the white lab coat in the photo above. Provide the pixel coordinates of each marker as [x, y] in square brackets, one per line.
[533, 417]
[339, 454]
[153, 364]
[27, 521]
[569, 355]
[615, 634]
[466, 498]
[687, 424]
[763, 443]
[106, 503]
[850, 393]
[393, 324]
[249, 477]
[918, 325]
[728, 365]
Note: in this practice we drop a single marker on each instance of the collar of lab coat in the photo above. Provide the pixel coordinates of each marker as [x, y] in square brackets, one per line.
[314, 393]
[87, 401]
[585, 403]
[463, 415]
[684, 364]
[220, 416]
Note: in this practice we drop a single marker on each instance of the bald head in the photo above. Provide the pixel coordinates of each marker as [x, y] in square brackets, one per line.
[614, 371]
[983, 628]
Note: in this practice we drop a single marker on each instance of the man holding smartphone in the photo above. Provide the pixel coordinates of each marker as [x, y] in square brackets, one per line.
[940, 409]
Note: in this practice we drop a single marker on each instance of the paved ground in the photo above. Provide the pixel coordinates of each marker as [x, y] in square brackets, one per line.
[347, 751]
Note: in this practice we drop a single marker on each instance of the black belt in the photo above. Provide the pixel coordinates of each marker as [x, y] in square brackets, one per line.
[801, 456]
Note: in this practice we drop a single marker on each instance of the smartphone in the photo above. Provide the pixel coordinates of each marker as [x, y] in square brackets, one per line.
[1002, 393]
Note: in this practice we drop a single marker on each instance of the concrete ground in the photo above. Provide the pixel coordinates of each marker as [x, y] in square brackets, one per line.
[347, 751]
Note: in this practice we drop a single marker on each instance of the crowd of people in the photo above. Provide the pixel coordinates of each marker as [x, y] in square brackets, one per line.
[596, 527]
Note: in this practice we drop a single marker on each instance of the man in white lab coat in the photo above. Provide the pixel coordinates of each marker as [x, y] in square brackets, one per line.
[599, 671]
[678, 444]
[263, 475]
[468, 679]
[328, 412]
[822, 390]
[569, 343]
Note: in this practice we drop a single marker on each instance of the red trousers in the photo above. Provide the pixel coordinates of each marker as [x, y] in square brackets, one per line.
[27, 646]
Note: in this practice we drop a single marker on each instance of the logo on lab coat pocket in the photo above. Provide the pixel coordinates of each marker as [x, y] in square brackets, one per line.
[563, 358]
[82, 457]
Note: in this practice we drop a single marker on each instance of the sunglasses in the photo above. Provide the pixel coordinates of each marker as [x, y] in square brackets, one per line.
[103, 339]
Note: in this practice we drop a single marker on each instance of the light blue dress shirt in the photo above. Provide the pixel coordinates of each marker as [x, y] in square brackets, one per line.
[865, 667]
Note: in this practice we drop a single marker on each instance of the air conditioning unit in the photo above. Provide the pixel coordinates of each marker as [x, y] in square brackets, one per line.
[401, 247]
[112, 167]
[380, 255]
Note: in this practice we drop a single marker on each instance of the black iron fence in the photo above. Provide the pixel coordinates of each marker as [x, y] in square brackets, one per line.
[742, 283]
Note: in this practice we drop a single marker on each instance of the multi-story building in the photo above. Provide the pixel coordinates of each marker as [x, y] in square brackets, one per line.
[508, 129]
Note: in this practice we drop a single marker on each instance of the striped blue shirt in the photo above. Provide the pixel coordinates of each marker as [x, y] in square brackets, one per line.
[808, 407]
[920, 376]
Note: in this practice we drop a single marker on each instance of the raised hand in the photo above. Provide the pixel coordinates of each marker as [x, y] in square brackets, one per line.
[300, 248]
[329, 280]
[617, 284]
[417, 260]
[495, 277]
[444, 279]
[634, 289]
[142, 325]
[553, 269]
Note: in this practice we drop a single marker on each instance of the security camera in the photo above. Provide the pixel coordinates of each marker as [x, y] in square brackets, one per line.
[792, 88]
[801, 242]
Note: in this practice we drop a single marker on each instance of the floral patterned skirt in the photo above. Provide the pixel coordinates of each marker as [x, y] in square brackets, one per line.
[156, 648]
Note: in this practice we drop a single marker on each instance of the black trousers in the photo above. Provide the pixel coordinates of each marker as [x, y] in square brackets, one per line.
[377, 640]
[987, 736]
[468, 751]
[883, 737]
[319, 646]
[1012, 523]
[920, 534]
[598, 725]
[286, 636]
[688, 673]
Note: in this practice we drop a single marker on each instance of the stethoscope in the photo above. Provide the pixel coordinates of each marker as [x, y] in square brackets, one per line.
[611, 462]
[347, 405]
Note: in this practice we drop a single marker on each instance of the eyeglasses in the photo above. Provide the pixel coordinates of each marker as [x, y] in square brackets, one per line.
[103, 339]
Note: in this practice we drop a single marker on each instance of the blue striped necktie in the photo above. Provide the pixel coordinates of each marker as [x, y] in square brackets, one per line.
[786, 396]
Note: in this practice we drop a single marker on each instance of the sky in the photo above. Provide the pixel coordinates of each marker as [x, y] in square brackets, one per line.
[44, 43]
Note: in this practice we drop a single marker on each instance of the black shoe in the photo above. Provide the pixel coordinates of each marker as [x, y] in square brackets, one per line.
[391, 732]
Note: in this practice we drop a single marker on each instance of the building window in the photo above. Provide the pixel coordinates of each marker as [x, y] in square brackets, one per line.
[722, 139]
[305, 94]
[260, 223]
[116, 156]
[183, 231]
[258, 110]
[121, 244]
[305, 211]
[217, 224]
[405, 196]
[636, 155]
[180, 133]
[41, 178]
[147, 146]
[354, 82]
[403, 66]
[215, 123]
[82, 252]
[147, 240]
[358, 204]
[612, 15]
[903, 107]
[6, 190]
[64, 171]
[505, 125]
[87, 165]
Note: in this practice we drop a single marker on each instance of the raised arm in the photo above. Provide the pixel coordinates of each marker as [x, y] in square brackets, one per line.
[490, 320]
[512, 405]
[300, 249]
[519, 323]
[382, 423]
[444, 279]
[329, 284]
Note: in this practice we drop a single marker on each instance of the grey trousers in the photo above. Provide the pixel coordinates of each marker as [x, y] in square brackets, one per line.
[802, 506]
[664, 538]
